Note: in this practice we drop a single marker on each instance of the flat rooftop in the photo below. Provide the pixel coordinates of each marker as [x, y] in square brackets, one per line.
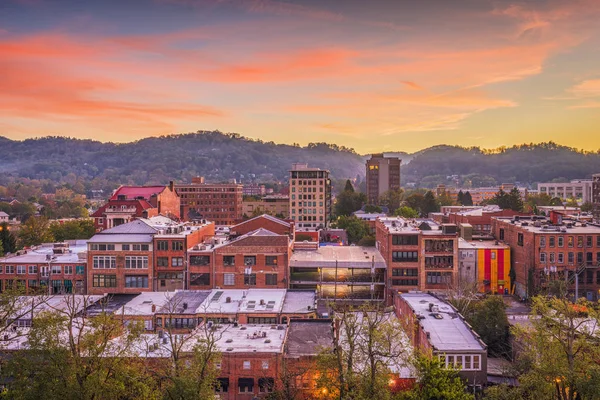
[480, 244]
[143, 304]
[309, 337]
[545, 226]
[184, 301]
[343, 256]
[399, 225]
[447, 330]
[38, 254]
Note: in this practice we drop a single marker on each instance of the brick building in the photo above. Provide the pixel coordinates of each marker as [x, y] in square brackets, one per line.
[544, 250]
[596, 196]
[274, 204]
[310, 196]
[220, 203]
[480, 219]
[257, 259]
[382, 174]
[264, 221]
[433, 325]
[53, 268]
[130, 202]
[420, 254]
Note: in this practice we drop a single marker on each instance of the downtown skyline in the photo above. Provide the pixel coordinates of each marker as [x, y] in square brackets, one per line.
[382, 76]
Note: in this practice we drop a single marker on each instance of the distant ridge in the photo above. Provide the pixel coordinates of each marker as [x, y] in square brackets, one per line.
[222, 156]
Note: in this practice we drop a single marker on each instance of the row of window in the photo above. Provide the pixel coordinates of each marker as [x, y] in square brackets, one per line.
[110, 262]
[164, 261]
[554, 241]
[314, 183]
[110, 281]
[405, 256]
[405, 240]
[33, 269]
[559, 258]
[307, 211]
[124, 247]
[249, 279]
[306, 218]
[436, 278]
[163, 245]
[462, 361]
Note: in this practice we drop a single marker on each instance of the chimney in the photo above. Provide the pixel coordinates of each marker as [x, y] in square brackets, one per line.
[171, 186]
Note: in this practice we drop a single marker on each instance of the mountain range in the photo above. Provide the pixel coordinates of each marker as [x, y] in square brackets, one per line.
[222, 156]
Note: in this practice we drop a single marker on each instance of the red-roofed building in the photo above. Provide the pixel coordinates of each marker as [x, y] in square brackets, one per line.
[131, 202]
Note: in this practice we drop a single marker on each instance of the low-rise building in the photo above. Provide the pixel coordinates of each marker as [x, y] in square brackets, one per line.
[346, 273]
[220, 203]
[578, 189]
[434, 325]
[52, 268]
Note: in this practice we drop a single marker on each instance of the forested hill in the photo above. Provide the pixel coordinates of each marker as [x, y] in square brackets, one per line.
[528, 163]
[215, 155]
[220, 157]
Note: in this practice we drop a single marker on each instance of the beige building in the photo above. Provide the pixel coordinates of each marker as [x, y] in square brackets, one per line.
[276, 205]
[383, 174]
[310, 196]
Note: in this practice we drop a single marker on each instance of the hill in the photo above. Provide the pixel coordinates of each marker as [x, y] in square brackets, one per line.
[220, 157]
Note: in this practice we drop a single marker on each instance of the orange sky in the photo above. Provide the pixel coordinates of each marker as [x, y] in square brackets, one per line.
[375, 76]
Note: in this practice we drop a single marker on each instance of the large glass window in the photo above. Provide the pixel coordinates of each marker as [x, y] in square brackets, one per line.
[405, 256]
[136, 281]
[229, 279]
[199, 260]
[405, 240]
[104, 281]
[271, 279]
[136, 262]
[104, 262]
[162, 245]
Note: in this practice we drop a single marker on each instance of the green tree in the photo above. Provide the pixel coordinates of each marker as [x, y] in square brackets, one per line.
[467, 199]
[71, 230]
[430, 204]
[587, 207]
[349, 201]
[370, 208]
[460, 198]
[445, 200]
[515, 202]
[488, 318]
[407, 212]
[348, 187]
[9, 244]
[35, 231]
[74, 356]
[355, 228]
[501, 199]
[392, 199]
[435, 381]
[560, 349]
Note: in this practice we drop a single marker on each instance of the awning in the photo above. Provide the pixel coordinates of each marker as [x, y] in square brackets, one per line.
[223, 383]
[246, 382]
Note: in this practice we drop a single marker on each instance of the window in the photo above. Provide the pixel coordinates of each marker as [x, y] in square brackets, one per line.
[519, 239]
[246, 385]
[22, 269]
[542, 257]
[177, 261]
[265, 364]
[56, 270]
[436, 278]
[405, 240]
[249, 260]
[571, 257]
[476, 363]
[200, 279]
[589, 241]
[271, 279]
[229, 261]
[579, 241]
[32, 283]
[79, 269]
[10, 269]
[551, 241]
[136, 281]
[405, 272]
[104, 262]
[570, 241]
[199, 260]
[126, 247]
[136, 262]
[104, 247]
[246, 365]
[543, 241]
[33, 269]
[265, 385]
[271, 260]
[501, 233]
[561, 258]
[405, 282]
[104, 281]
[250, 279]
[579, 258]
[162, 245]
[405, 256]
[68, 270]
[162, 261]
[262, 321]
[141, 247]
[177, 245]
[598, 241]
[229, 279]
[561, 241]
[552, 258]
[217, 365]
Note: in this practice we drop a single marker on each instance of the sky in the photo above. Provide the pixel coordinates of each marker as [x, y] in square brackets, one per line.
[377, 75]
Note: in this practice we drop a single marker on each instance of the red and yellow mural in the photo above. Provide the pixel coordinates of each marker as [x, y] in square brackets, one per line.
[493, 269]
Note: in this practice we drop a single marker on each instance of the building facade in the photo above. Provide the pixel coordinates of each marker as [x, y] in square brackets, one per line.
[310, 196]
[596, 196]
[220, 203]
[420, 254]
[578, 189]
[486, 262]
[382, 174]
[544, 250]
[277, 205]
